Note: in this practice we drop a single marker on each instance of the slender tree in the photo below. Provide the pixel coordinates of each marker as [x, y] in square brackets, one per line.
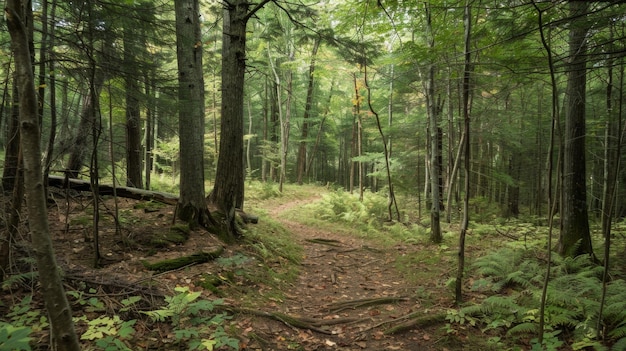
[307, 112]
[59, 312]
[467, 69]
[435, 135]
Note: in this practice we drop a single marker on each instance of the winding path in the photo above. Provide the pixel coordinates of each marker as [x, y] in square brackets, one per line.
[342, 279]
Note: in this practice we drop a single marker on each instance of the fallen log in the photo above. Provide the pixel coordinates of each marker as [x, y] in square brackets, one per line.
[104, 189]
[129, 193]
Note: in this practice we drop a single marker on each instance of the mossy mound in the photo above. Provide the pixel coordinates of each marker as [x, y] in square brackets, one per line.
[174, 235]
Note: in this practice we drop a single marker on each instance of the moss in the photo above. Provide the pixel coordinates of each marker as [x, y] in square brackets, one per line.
[176, 234]
[210, 282]
[179, 262]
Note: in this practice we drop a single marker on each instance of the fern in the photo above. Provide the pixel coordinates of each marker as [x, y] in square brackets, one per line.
[508, 268]
[620, 345]
[22, 278]
[523, 328]
[619, 331]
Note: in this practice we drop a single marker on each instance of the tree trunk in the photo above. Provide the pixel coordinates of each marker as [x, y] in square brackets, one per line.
[59, 313]
[11, 153]
[228, 191]
[53, 99]
[467, 164]
[307, 113]
[133, 125]
[435, 159]
[151, 114]
[80, 146]
[575, 239]
[192, 205]
[320, 132]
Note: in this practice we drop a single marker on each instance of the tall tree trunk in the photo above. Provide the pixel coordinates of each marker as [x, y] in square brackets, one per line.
[150, 88]
[285, 125]
[133, 124]
[191, 204]
[53, 99]
[575, 239]
[467, 164]
[11, 152]
[320, 132]
[59, 313]
[435, 166]
[228, 190]
[307, 113]
[80, 146]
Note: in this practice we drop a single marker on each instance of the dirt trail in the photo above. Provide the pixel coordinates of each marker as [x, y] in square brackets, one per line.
[339, 269]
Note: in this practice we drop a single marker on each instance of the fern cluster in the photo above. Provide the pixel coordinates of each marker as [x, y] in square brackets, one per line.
[340, 206]
[573, 298]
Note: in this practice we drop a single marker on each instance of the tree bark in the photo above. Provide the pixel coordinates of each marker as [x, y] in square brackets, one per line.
[80, 146]
[435, 160]
[11, 152]
[228, 191]
[133, 125]
[575, 238]
[59, 313]
[467, 69]
[192, 204]
[307, 113]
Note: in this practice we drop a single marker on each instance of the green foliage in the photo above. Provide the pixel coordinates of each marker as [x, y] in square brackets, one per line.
[23, 315]
[262, 190]
[192, 321]
[573, 298]
[108, 333]
[13, 280]
[340, 206]
[506, 268]
[14, 338]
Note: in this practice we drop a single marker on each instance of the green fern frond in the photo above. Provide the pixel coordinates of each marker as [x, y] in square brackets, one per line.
[22, 278]
[473, 310]
[619, 331]
[620, 345]
[523, 328]
[559, 316]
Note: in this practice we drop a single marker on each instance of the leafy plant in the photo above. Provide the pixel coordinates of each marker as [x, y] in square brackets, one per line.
[573, 299]
[192, 322]
[109, 333]
[14, 338]
[23, 315]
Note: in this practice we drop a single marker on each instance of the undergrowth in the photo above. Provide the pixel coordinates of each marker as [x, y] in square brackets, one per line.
[192, 323]
[513, 278]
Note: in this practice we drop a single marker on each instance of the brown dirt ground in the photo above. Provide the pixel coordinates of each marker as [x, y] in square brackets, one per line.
[340, 269]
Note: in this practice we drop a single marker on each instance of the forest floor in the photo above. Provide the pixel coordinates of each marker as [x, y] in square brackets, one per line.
[341, 292]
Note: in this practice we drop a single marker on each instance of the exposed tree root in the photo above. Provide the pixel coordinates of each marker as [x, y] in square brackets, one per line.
[314, 324]
[175, 263]
[353, 304]
[415, 320]
[322, 241]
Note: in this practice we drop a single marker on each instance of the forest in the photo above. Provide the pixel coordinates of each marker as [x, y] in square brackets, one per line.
[312, 175]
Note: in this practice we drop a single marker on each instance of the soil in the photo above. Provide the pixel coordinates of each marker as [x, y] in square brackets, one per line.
[335, 269]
